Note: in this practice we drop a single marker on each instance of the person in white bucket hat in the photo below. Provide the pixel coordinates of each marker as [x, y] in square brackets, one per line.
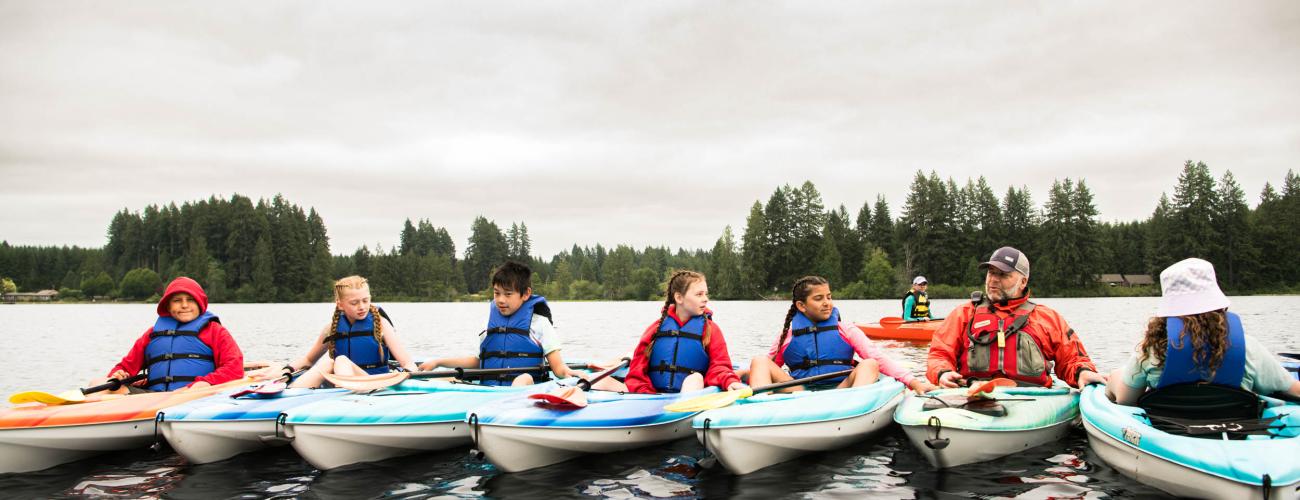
[1194, 338]
[916, 304]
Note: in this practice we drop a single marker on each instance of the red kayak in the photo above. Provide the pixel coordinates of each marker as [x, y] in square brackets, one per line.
[894, 328]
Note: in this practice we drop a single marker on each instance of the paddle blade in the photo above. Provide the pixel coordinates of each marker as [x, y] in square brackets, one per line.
[367, 383]
[891, 320]
[564, 398]
[988, 387]
[709, 401]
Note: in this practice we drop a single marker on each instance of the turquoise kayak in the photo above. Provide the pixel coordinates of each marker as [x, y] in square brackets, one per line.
[412, 417]
[767, 429]
[950, 432]
[219, 427]
[1259, 466]
[517, 434]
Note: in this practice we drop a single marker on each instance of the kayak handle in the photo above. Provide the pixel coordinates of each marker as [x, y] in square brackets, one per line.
[932, 426]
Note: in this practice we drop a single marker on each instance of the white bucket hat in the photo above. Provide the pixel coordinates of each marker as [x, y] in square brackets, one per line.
[1189, 287]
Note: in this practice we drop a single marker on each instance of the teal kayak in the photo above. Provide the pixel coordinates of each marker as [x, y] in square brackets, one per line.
[767, 429]
[518, 434]
[219, 427]
[1259, 466]
[949, 431]
[412, 417]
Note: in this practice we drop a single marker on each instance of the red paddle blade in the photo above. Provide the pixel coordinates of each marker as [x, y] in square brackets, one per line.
[989, 386]
[269, 388]
[565, 398]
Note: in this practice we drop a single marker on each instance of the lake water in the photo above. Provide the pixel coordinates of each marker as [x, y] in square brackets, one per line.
[65, 345]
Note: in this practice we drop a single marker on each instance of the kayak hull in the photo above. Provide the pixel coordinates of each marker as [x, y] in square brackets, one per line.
[918, 332]
[1035, 416]
[33, 449]
[332, 446]
[37, 436]
[1190, 466]
[220, 427]
[772, 428]
[517, 435]
[414, 417]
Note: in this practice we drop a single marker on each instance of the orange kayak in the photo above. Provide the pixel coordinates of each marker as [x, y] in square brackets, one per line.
[38, 436]
[894, 328]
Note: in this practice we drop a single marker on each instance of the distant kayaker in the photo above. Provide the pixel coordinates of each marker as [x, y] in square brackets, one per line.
[359, 339]
[520, 332]
[814, 341]
[916, 304]
[186, 347]
[1194, 338]
[1004, 334]
[682, 351]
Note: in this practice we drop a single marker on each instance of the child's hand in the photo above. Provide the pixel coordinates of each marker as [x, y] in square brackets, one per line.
[428, 365]
[736, 386]
[921, 386]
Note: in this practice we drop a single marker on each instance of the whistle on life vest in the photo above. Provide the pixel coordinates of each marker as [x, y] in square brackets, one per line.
[1002, 339]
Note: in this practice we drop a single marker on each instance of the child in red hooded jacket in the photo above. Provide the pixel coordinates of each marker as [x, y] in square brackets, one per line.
[186, 346]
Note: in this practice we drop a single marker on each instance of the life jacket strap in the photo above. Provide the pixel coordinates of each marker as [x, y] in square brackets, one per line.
[507, 354]
[663, 366]
[171, 355]
[814, 329]
[339, 336]
[677, 334]
[506, 329]
[173, 333]
[169, 379]
[813, 363]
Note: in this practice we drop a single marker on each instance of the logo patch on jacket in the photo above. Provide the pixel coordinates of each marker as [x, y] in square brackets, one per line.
[981, 324]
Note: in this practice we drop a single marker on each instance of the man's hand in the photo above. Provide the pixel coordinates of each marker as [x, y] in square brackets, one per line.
[1087, 377]
[951, 379]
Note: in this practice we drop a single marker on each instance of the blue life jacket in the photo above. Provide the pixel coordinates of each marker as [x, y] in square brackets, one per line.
[175, 356]
[676, 351]
[819, 348]
[356, 340]
[507, 343]
[1181, 368]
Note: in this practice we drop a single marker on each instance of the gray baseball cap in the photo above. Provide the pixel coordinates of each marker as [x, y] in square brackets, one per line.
[1008, 259]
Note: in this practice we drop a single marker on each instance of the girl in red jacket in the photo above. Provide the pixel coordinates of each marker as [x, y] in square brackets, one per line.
[186, 346]
[683, 350]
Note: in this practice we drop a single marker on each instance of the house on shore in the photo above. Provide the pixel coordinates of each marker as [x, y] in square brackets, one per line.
[41, 296]
[1127, 280]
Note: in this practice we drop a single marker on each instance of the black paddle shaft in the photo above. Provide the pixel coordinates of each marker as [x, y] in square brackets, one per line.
[802, 381]
[586, 384]
[114, 384]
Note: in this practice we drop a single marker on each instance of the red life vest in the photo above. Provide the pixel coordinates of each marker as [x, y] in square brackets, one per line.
[1003, 347]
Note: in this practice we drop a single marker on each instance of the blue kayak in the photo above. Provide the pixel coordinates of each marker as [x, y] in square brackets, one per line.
[1259, 466]
[518, 433]
[219, 427]
[771, 428]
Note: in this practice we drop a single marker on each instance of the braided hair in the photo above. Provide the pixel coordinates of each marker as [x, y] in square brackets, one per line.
[678, 283]
[799, 293]
[355, 282]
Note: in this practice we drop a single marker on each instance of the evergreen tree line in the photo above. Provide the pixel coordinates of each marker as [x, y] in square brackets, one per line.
[274, 251]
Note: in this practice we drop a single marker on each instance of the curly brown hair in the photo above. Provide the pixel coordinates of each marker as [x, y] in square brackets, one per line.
[1208, 332]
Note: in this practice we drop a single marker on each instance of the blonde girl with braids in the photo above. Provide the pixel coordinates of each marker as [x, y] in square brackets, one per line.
[814, 341]
[684, 350]
[1193, 338]
[359, 339]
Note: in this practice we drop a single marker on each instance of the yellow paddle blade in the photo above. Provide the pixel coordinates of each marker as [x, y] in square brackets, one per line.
[367, 383]
[709, 401]
[65, 397]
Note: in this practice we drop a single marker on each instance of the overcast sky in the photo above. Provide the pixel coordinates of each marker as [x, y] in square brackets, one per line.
[648, 123]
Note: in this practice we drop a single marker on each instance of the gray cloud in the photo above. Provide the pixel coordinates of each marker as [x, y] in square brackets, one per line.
[647, 123]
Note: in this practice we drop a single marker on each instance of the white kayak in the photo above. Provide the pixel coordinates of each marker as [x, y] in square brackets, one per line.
[767, 429]
[948, 432]
[219, 427]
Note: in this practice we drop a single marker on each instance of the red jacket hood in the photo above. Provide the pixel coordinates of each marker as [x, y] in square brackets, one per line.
[183, 284]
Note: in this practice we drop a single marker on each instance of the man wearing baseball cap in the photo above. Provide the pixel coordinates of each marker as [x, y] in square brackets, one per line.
[1003, 334]
[916, 304]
